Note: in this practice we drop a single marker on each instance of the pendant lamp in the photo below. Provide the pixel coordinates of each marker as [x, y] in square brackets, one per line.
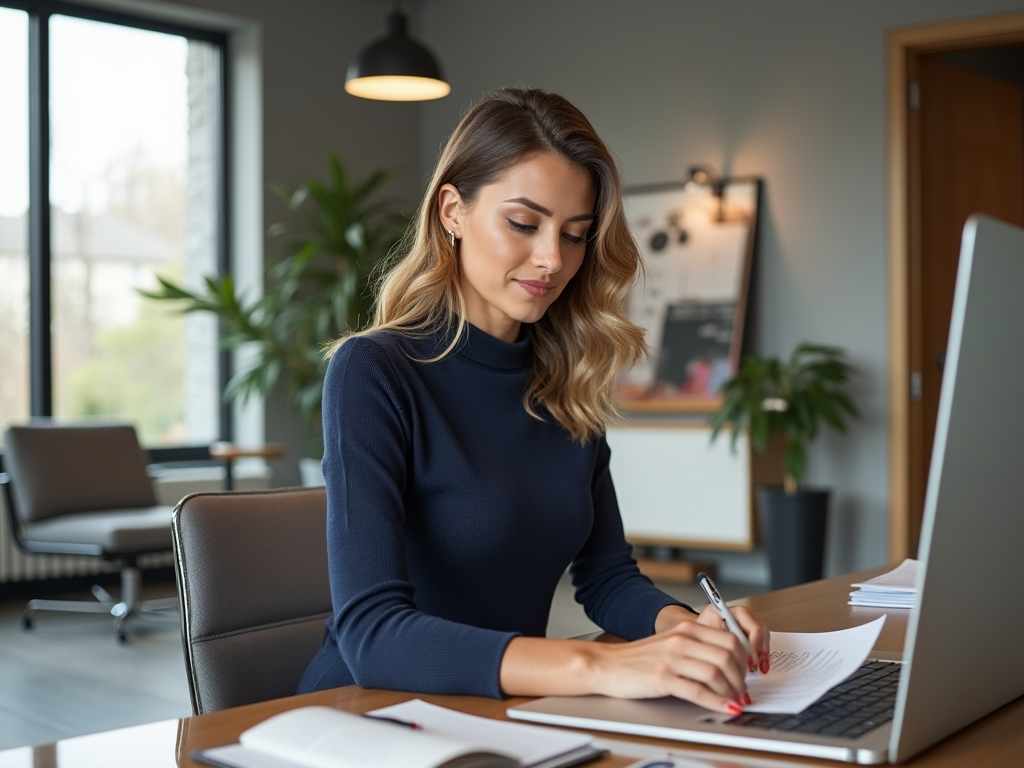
[396, 68]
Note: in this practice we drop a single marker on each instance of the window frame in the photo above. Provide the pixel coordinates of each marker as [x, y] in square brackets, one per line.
[39, 241]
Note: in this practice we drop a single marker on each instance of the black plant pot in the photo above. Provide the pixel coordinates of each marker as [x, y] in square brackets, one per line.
[793, 527]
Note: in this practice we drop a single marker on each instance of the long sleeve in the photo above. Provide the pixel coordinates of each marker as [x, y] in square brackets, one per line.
[452, 515]
[383, 638]
[614, 594]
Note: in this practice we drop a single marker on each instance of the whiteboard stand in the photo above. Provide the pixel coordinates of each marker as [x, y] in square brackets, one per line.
[676, 489]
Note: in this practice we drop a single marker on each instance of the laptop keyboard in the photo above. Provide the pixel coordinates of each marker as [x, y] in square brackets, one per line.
[860, 704]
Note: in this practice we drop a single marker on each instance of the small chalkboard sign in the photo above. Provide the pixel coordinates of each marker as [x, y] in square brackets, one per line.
[695, 346]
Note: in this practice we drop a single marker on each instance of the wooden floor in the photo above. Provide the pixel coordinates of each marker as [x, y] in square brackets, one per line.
[68, 676]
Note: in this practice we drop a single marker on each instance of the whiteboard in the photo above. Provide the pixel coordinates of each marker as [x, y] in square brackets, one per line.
[673, 485]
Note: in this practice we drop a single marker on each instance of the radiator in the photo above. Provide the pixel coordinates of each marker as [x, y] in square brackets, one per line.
[15, 565]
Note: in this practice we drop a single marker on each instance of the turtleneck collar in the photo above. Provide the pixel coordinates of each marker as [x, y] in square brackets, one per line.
[484, 349]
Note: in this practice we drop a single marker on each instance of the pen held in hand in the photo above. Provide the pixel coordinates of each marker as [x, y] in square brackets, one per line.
[723, 610]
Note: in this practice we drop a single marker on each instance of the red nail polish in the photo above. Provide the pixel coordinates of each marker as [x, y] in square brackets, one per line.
[747, 699]
[764, 667]
[734, 707]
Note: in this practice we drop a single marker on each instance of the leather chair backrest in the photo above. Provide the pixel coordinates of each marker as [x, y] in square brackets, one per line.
[59, 469]
[254, 592]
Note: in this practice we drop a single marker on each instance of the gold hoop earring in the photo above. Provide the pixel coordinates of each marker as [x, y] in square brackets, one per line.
[451, 239]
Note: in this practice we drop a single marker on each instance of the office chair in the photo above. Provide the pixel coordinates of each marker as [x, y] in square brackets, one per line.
[252, 580]
[85, 490]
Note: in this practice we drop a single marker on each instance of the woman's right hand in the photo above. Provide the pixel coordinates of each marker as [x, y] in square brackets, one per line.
[690, 661]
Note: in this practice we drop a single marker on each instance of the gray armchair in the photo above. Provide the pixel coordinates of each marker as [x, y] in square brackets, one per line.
[252, 580]
[85, 490]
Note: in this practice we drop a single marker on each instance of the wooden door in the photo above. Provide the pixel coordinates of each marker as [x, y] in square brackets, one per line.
[971, 161]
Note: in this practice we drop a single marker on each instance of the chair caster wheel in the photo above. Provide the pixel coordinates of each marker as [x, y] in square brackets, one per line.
[26, 622]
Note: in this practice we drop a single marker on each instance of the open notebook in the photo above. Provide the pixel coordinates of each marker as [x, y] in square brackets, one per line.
[413, 734]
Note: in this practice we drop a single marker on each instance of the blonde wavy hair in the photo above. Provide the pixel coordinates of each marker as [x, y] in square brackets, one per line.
[584, 339]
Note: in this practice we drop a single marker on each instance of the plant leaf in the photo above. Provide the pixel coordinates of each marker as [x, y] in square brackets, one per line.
[812, 382]
[317, 290]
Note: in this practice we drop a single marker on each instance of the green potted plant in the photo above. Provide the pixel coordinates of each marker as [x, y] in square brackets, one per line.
[318, 290]
[771, 399]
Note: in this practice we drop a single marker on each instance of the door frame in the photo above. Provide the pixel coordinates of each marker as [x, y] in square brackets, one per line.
[904, 47]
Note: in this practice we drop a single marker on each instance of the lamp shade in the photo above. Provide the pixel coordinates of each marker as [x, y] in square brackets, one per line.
[396, 68]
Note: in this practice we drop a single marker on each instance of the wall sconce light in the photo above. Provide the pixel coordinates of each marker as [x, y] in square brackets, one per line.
[396, 68]
[704, 176]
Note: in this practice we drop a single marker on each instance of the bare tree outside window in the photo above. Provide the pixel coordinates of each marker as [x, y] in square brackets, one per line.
[14, 311]
[133, 180]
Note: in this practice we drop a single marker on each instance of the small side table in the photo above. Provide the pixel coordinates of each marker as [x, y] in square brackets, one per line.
[228, 452]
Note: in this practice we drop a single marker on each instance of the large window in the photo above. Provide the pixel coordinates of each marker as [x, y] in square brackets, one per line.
[111, 173]
[14, 310]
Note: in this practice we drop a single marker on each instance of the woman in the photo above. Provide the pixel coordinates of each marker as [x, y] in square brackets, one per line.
[465, 457]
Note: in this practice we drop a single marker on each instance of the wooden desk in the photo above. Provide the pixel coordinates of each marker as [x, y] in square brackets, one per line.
[998, 740]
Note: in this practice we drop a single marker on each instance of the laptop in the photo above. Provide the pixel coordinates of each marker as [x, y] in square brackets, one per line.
[962, 656]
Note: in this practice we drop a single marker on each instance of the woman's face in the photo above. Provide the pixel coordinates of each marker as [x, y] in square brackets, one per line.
[520, 242]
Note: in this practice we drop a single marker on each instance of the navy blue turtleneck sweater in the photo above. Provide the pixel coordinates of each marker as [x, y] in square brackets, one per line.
[451, 515]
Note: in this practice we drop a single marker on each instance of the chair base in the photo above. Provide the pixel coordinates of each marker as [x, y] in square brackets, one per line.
[130, 605]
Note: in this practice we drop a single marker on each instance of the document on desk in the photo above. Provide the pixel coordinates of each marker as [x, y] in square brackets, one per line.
[804, 665]
[895, 589]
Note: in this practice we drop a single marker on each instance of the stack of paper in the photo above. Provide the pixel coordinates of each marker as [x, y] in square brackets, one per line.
[894, 589]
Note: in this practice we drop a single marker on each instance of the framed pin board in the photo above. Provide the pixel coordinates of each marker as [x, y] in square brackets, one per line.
[697, 244]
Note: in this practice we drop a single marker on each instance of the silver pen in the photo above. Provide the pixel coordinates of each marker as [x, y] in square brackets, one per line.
[723, 610]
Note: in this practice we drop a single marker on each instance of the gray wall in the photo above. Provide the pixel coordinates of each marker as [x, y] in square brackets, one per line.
[793, 91]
